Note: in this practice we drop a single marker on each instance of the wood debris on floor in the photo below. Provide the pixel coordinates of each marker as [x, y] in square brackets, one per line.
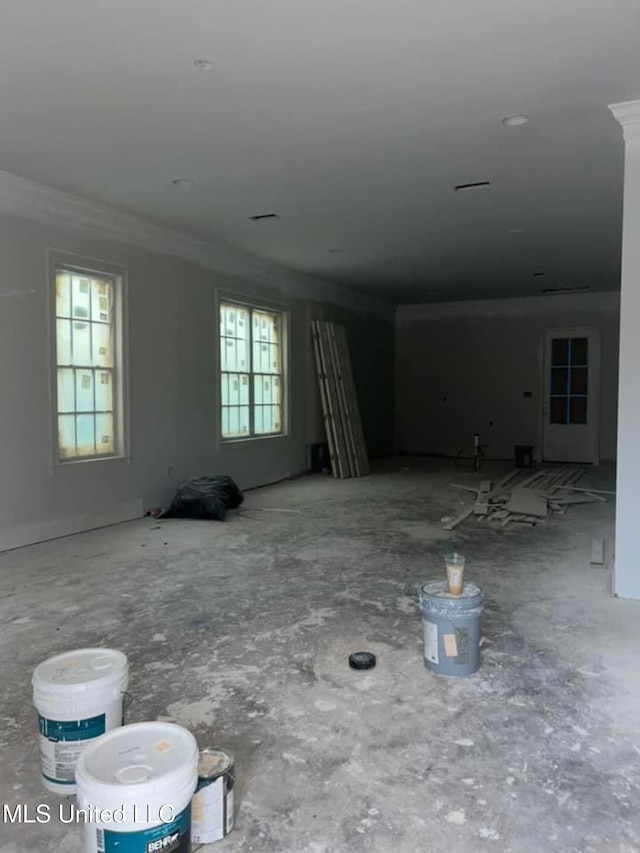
[525, 499]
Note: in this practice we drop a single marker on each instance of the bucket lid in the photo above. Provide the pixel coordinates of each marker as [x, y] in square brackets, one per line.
[471, 595]
[213, 763]
[142, 756]
[80, 670]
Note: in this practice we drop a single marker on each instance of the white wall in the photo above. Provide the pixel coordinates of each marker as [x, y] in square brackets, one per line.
[482, 356]
[173, 350]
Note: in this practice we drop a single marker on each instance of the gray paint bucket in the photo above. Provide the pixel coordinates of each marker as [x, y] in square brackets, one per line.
[452, 626]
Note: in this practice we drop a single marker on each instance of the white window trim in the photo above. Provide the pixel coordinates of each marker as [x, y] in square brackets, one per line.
[257, 304]
[54, 259]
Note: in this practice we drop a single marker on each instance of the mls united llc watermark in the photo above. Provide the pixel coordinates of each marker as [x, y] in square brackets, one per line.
[70, 813]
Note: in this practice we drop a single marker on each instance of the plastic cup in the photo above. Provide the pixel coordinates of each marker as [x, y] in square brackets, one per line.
[455, 573]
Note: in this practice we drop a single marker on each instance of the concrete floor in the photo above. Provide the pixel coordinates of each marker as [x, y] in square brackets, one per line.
[241, 632]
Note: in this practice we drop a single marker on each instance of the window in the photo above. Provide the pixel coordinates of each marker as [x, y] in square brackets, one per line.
[87, 358]
[251, 371]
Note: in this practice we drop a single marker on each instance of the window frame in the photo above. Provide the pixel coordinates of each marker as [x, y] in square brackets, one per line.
[57, 260]
[248, 303]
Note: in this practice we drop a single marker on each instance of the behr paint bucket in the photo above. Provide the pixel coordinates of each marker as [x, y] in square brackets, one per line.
[135, 786]
[452, 626]
[78, 696]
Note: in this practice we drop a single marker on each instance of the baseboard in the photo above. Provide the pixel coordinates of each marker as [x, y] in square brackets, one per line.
[20, 535]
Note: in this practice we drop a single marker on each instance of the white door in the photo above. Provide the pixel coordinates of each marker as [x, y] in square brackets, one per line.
[571, 407]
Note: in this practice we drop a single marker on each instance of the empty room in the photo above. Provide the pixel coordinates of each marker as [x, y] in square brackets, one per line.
[320, 411]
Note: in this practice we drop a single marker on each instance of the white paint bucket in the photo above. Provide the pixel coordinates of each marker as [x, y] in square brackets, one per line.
[78, 696]
[136, 785]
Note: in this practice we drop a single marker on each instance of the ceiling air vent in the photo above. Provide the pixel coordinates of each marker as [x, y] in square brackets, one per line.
[262, 216]
[467, 188]
[552, 290]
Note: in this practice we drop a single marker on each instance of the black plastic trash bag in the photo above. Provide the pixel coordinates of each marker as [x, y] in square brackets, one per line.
[204, 497]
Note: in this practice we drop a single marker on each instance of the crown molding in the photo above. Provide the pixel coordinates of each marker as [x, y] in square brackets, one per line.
[30, 200]
[627, 114]
[520, 306]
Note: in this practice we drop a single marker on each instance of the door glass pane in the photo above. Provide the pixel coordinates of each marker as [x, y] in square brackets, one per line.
[559, 380]
[578, 410]
[560, 351]
[579, 351]
[558, 410]
[579, 380]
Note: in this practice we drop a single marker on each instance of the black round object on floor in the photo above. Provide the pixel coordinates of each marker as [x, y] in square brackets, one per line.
[362, 660]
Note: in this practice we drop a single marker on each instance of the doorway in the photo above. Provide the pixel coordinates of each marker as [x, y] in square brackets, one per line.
[571, 401]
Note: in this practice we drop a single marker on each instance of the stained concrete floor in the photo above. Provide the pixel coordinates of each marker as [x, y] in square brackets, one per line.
[241, 632]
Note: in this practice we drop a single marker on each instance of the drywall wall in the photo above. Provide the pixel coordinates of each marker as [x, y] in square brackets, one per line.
[465, 367]
[627, 559]
[173, 354]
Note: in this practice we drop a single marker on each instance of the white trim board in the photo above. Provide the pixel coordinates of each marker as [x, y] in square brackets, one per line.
[26, 199]
[608, 301]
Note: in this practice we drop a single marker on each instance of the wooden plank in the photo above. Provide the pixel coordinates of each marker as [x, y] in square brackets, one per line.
[485, 487]
[590, 491]
[324, 399]
[579, 499]
[474, 489]
[332, 419]
[527, 502]
[341, 399]
[597, 552]
[342, 349]
[449, 525]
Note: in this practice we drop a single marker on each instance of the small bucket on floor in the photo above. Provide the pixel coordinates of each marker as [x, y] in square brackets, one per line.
[136, 785]
[78, 696]
[452, 625]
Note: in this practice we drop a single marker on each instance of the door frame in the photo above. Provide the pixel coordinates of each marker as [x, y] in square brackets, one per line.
[594, 394]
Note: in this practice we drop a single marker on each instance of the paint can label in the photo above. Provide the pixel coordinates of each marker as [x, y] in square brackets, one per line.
[213, 800]
[173, 837]
[61, 743]
[431, 642]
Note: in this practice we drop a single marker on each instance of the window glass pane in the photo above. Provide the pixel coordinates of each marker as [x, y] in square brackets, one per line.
[578, 410]
[579, 351]
[66, 436]
[102, 345]
[558, 410]
[258, 422]
[234, 390]
[63, 294]
[276, 390]
[80, 297]
[231, 346]
[66, 390]
[84, 391]
[81, 353]
[225, 422]
[274, 358]
[560, 351]
[579, 380]
[85, 435]
[104, 434]
[224, 389]
[101, 291]
[559, 380]
[63, 341]
[257, 389]
[234, 420]
[277, 418]
[104, 391]
[244, 390]
[244, 420]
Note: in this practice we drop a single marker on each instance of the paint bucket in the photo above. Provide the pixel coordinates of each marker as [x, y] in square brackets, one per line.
[212, 808]
[452, 626]
[135, 785]
[78, 696]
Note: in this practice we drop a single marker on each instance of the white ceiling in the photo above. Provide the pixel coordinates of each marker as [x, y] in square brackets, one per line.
[351, 119]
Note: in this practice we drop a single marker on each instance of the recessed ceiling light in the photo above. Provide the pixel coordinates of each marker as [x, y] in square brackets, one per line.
[539, 274]
[476, 185]
[261, 216]
[515, 120]
[203, 64]
[515, 230]
[182, 182]
[335, 251]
